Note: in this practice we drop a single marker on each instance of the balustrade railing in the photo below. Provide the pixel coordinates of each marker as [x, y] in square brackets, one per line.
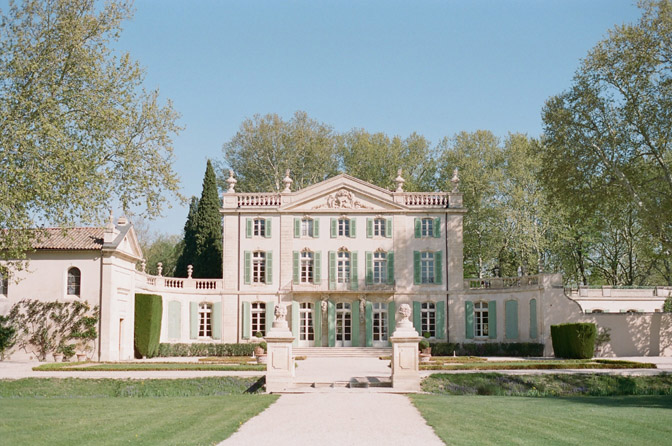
[501, 282]
[426, 199]
[178, 283]
[259, 199]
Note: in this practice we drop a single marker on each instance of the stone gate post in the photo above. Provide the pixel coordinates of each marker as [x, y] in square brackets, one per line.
[405, 368]
[280, 365]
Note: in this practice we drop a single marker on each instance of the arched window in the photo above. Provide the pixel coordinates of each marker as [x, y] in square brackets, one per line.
[428, 318]
[74, 282]
[204, 320]
[480, 319]
[258, 318]
[597, 310]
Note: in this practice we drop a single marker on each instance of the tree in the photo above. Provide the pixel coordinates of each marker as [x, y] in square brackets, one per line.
[165, 249]
[76, 129]
[189, 246]
[266, 146]
[208, 260]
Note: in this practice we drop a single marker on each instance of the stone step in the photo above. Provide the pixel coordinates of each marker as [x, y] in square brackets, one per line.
[342, 352]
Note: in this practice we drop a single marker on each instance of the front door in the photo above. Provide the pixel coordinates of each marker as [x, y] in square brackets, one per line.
[306, 329]
[343, 325]
[379, 324]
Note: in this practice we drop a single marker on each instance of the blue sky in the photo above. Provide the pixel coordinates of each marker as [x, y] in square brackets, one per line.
[433, 67]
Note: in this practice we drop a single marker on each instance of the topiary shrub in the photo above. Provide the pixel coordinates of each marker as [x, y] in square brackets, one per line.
[574, 340]
[205, 349]
[148, 312]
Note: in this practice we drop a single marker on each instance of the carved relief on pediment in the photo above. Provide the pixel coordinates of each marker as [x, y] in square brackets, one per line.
[343, 199]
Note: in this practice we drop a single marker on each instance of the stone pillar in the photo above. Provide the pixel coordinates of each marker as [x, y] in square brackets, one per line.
[280, 365]
[405, 368]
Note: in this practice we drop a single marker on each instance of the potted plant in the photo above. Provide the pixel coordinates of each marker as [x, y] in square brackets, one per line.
[262, 357]
[68, 351]
[425, 351]
[258, 350]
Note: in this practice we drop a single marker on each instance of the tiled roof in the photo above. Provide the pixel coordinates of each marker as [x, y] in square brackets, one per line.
[73, 238]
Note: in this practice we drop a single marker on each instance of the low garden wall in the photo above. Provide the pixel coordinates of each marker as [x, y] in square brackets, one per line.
[639, 334]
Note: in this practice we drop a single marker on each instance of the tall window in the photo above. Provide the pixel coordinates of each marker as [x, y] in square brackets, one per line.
[427, 227]
[259, 267]
[74, 282]
[4, 285]
[379, 227]
[379, 321]
[344, 227]
[259, 227]
[379, 267]
[427, 267]
[307, 265]
[428, 318]
[258, 318]
[307, 227]
[343, 267]
[481, 319]
[204, 320]
[306, 332]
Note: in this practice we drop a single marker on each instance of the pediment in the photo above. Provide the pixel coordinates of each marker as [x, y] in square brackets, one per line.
[129, 244]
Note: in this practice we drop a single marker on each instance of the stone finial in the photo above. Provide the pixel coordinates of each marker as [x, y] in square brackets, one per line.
[143, 265]
[110, 223]
[123, 221]
[456, 182]
[190, 271]
[287, 181]
[159, 269]
[400, 182]
[232, 183]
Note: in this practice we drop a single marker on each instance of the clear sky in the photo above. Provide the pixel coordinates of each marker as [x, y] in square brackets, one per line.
[433, 67]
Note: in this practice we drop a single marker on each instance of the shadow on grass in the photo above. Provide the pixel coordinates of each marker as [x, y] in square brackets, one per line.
[649, 401]
[257, 386]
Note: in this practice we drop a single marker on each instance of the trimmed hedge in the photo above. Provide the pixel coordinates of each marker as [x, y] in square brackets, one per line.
[200, 349]
[148, 312]
[488, 349]
[574, 340]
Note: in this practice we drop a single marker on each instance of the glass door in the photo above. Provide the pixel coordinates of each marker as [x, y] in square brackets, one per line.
[306, 329]
[379, 324]
[343, 325]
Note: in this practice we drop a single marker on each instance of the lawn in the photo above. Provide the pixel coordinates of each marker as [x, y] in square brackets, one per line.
[201, 411]
[147, 366]
[449, 363]
[489, 420]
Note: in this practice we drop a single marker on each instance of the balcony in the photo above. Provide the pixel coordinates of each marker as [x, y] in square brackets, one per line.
[499, 283]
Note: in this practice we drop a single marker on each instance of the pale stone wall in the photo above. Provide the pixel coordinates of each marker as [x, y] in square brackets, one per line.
[647, 334]
[609, 299]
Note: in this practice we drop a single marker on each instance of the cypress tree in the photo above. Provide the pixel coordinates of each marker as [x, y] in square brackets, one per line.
[189, 248]
[208, 261]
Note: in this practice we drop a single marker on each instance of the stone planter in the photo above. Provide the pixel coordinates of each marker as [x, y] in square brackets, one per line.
[262, 358]
[424, 357]
[258, 351]
[58, 357]
[81, 357]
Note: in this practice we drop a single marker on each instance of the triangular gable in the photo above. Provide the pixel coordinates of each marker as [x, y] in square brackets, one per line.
[127, 243]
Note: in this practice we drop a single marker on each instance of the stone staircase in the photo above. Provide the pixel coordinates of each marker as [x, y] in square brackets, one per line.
[342, 352]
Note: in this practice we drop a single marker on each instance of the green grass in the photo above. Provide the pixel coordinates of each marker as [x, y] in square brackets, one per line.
[70, 411]
[495, 420]
[546, 364]
[146, 366]
[547, 384]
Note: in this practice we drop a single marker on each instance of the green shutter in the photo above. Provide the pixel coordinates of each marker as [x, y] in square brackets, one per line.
[369, 267]
[391, 319]
[368, 317]
[390, 267]
[353, 228]
[440, 320]
[193, 320]
[388, 228]
[416, 267]
[317, 267]
[418, 228]
[270, 315]
[217, 320]
[174, 313]
[331, 324]
[269, 268]
[354, 279]
[247, 316]
[437, 227]
[267, 228]
[297, 227]
[334, 228]
[533, 319]
[295, 322]
[354, 314]
[469, 319]
[369, 227]
[247, 267]
[317, 323]
[316, 227]
[248, 227]
[417, 317]
[332, 270]
[438, 267]
[295, 267]
[492, 319]
[511, 322]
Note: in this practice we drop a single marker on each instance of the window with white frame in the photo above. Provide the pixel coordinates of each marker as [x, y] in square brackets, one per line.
[379, 312]
[427, 267]
[4, 285]
[259, 227]
[379, 267]
[379, 227]
[344, 227]
[481, 319]
[307, 265]
[307, 227]
[258, 310]
[428, 318]
[427, 227]
[204, 320]
[74, 282]
[343, 267]
[259, 267]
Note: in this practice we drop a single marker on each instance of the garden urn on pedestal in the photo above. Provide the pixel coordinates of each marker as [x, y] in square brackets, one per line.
[280, 360]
